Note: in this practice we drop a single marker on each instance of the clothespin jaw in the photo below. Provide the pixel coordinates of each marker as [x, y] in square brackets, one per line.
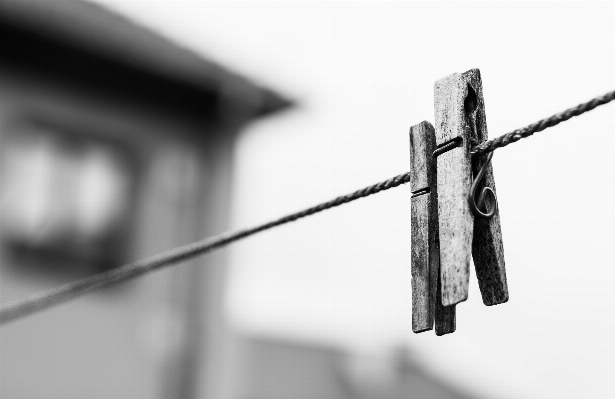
[460, 125]
[425, 242]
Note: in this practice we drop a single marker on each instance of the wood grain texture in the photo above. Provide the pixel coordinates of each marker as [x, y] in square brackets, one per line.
[454, 169]
[487, 244]
[423, 295]
[424, 225]
[446, 322]
[460, 114]
[422, 167]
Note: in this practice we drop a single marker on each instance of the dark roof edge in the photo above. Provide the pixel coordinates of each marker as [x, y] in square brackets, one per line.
[94, 29]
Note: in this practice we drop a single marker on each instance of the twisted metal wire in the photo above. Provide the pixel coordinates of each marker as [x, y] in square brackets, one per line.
[21, 308]
[541, 125]
[24, 307]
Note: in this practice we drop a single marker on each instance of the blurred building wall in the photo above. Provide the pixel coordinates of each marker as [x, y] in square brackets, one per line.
[115, 145]
[118, 341]
[278, 369]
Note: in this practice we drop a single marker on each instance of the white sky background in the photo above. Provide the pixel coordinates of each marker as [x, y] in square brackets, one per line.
[362, 74]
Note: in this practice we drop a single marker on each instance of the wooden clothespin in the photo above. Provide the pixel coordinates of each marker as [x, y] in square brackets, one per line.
[460, 125]
[426, 305]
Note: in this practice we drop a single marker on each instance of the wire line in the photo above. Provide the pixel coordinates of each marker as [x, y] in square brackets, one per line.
[20, 308]
[516, 135]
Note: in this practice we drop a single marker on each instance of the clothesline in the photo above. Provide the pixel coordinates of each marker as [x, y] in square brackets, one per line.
[20, 308]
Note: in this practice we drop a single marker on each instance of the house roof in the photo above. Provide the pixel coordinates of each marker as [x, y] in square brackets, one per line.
[92, 30]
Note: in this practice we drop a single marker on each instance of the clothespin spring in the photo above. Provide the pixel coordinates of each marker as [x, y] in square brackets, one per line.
[475, 207]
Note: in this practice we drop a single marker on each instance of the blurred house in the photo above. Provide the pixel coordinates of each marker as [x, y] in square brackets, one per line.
[115, 144]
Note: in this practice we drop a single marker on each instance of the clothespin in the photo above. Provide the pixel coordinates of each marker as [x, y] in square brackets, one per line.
[464, 228]
[426, 305]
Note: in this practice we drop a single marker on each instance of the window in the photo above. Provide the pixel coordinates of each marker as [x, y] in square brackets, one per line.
[65, 193]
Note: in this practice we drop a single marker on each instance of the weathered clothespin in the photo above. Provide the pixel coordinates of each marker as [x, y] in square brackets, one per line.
[461, 124]
[426, 305]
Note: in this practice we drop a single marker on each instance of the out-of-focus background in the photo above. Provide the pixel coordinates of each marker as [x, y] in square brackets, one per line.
[130, 127]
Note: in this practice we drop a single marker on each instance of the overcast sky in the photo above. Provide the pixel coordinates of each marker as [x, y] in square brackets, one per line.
[362, 74]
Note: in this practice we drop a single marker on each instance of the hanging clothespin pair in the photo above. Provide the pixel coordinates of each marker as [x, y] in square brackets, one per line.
[454, 216]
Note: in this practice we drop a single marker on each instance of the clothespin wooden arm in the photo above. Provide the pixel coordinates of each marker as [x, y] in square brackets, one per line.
[487, 243]
[461, 124]
[426, 305]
